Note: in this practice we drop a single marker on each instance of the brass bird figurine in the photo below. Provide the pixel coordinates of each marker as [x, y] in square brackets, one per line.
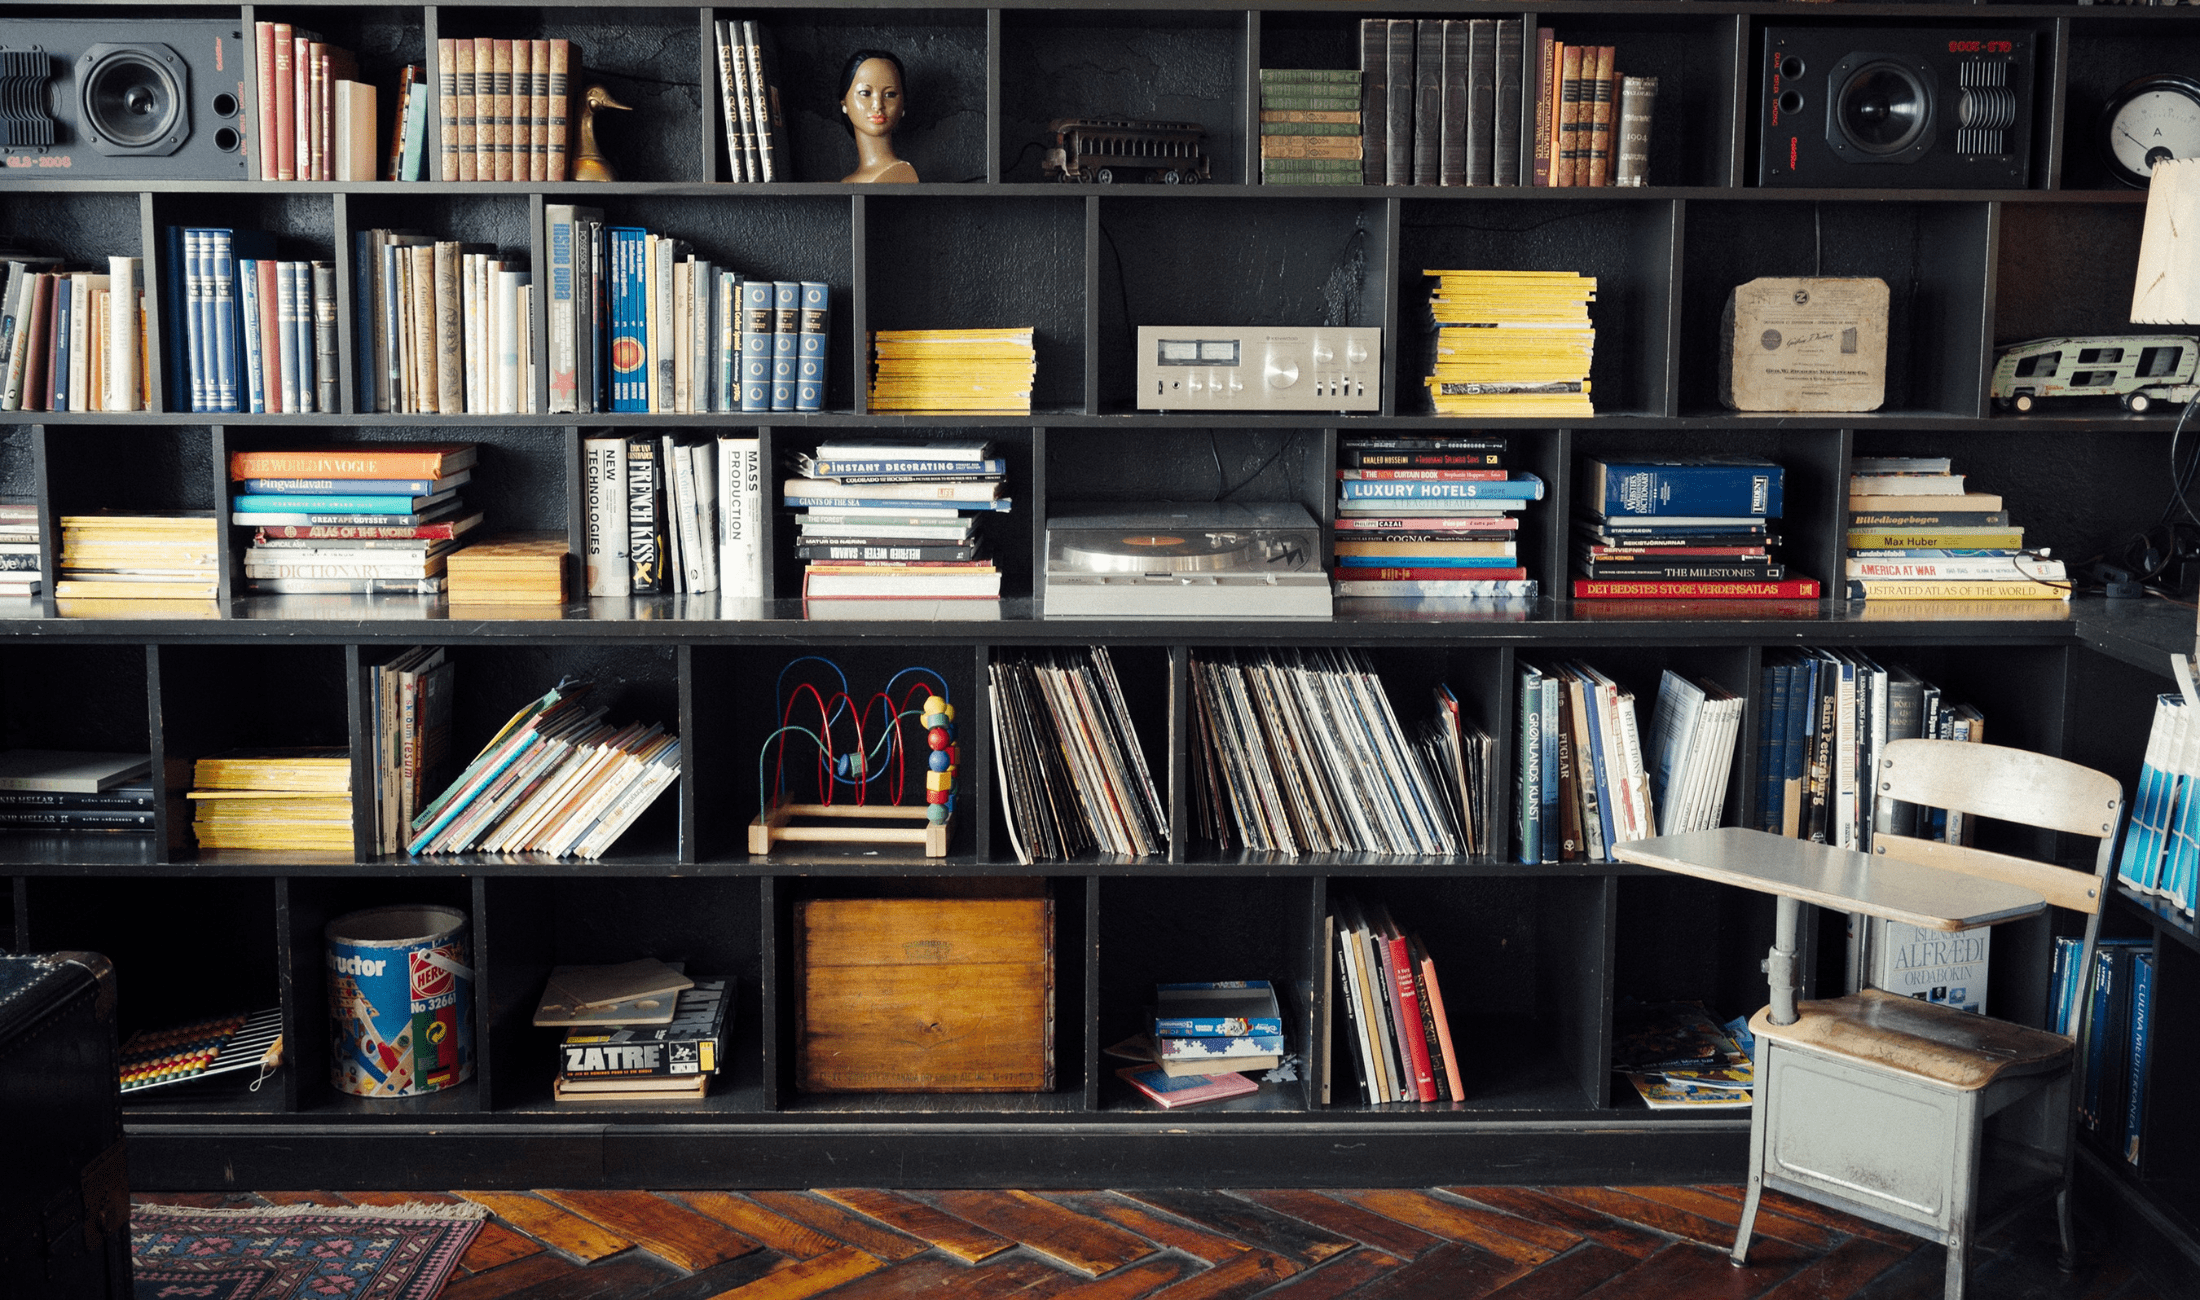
[591, 165]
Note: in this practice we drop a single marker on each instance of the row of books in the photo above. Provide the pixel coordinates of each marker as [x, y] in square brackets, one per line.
[1510, 343]
[1592, 125]
[2118, 1039]
[47, 790]
[72, 340]
[243, 330]
[374, 519]
[1441, 101]
[1430, 516]
[2161, 850]
[273, 800]
[1073, 773]
[748, 92]
[410, 718]
[1581, 786]
[638, 322]
[674, 516]
[139, 557]
[1916, 533]
[316, 118]
[893, 520]
[1310, 126]
[1398, 1039]
[953, 372]
[440, 327]
[1669, 529]
[22, 567]
[506, 112]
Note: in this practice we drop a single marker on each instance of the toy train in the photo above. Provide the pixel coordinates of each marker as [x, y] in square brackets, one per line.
[2137, 369]
[1105, 150]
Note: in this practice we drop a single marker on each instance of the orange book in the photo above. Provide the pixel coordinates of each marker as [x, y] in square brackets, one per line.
[429, 461]
[1443, 1022]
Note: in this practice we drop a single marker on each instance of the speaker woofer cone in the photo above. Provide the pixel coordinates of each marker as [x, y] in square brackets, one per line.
[133, 99]
[1882, 108]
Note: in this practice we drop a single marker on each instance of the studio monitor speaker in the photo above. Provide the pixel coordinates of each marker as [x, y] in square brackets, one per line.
[1895, 108]
[153, 100]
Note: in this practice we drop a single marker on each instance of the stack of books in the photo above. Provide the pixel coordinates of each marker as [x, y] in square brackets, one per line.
[1679, 1058]
[141, 557]
[65, 790]
[244, 331]
[1693, 730]
[1297, 751]
[410, 719]
[1309, 126]
[505, 108]
[1430, 516]
[1681, 530]
[1399, 1038]
[1204, 1036]
[1442, 102]
[1464, 758]
[672, 516]
[316, 118]
[637, 1031]
[441, 327]
[1915, 533]
[515, 569]
[73, 340]
[953, 372]
[273, 799]
[1510, 343]
[1582, 789]
[557, 779]
[22, 568]
[748, 91]
[1073, 774]
[367, 519]
[884, 519]
[1592, 125]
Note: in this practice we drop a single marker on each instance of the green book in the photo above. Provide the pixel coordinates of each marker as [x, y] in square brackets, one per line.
[1317, 76]
[1310, 128]
[1349, 103]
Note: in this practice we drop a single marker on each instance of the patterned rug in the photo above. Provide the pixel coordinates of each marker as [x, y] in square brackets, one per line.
[297, 1252]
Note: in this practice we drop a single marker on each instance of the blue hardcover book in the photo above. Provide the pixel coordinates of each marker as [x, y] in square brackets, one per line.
[365, 384]
[381, 487]
[1802, 727]
[1219, 1009]
[1521, 487]
[229, 245]
[1530, 794]
[786, 340]
[1001, 505]
[1728, 488]
[2058, 991]
[2097, 1034]
[2183, 860]
[301, 307]
[1427, 562]
[628, 345]
[1596, 768]
[2142, 1044]
[809, 372]
[757, 326]
[1772, 761]
[198, 257]
[175, 314]
[255, 370]
[252, 503]
[57, 396]
[1552, 822]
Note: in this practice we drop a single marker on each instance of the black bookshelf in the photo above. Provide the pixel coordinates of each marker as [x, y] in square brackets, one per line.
[983, 242]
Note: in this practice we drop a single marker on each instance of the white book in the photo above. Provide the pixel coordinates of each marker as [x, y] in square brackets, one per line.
[1844, 753]
[668, 461]
[301, 329]
[255, 358]
[469, 332]
[126, 282]
[15, 331]
[1938, 966]
[683, 339]
[705, 456]
[655, 336]
[689, 517]
[740, 508]
[703, 322]
[603, 472]
[530, 383]
[283, 347]
[506, 334]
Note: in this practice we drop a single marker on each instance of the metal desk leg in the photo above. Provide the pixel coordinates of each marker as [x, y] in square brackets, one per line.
[1780, 966]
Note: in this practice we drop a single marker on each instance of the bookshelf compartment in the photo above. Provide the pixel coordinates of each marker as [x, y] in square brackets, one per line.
[2102, 57]
[1630, 247]
[127, 469]
[2040, 293]
[18, 463]
[1210, 262]
[1724, 934]
[943, 59]
[89, 698]
[382, 40]
[1144, 673]
[215, 698]
[1137, 466]
[1176, 66]
[956, 263]
[1693, 128]
[81, 230]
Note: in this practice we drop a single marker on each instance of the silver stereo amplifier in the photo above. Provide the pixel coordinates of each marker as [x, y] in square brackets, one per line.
[1191, 559]
[1259, 368]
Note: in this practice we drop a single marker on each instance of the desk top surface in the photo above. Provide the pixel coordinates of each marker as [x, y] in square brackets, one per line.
[1929, 897]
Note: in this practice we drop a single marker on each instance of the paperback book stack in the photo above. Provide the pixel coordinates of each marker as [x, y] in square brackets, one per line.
[363, 519]
[2161, 850]
[1398, 1036]
[897, 520]
[1309, 126]
[273, 799]
[22, 569]
[410, 708]
[638, 1031]
[506, 109]
[1681, 530]
[2115, 1036]
[441, 327]
[748, 92]
[1592, 125]
[1679, 1058]
[64, 790]
[557, 779]
[673, 516]
[1204, 1036]
[1073, 774]
[1510, 343]
[316, 118]
[1464, 759]
[1581, 789]
[514, 569]
[1299, 752]
[243, 330]
[953, 372]
[1916, 534]
[1430, 517]
[73, 340]
[139, 557]
[1442, 101]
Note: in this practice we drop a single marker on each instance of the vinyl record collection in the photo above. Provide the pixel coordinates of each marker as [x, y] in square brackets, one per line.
[1442, 101]
[1693, 730]
[1582, 788]
[410, 717]
[1398, 1036]
[748, 92]
[506, 108]
[897, 520]
[1916, 533]
[22, 568]
[1430, 516]
[72, 340]
[442, 327]
[371, 518]
[953, 372]
[140, 557]
[1463, 758]
[1682, 530]
[1510, 343]
[243, 330]
[1309, 126]
[294, 799]
[1073, 775]
[1298, 752]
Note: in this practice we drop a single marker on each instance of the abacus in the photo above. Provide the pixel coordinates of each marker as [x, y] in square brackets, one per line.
[163, 1056]
[885, 758]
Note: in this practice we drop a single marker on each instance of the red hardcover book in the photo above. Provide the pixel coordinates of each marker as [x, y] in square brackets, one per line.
[1358, 574]
[1431, 524]
[435, 532]
[1659, 589]
[270, 334]
[263, 37]
[1409, 1015]
[1429, 475]
[286, 104]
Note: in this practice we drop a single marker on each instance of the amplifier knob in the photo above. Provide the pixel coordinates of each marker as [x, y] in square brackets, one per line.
[1282, 372]
[1324, 354]
[1355, 351]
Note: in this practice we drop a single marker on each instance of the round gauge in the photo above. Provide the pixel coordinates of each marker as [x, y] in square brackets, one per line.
[2153, 118]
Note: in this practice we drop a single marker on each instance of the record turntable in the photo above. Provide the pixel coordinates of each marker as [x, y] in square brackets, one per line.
[1181, 559]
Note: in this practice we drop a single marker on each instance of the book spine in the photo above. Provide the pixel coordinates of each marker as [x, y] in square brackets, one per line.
[538, 112]
[195, 318]
[1505, 147]
[1455, 122]
[1428, 101]
[809, 392]
[560, 220]
[740, 108]
[786, 341]
[450, 327]
[1724, 491]
[645, 518]
[1919, 589]
[485, 108]
[125, 278]
[2141, 1054]
[1570, 141]
[758, 320]
[1638, 100]
[1402, 96]
[1529, 797]
[255, 338]
[286, 105]
[459, 160]
[1597, 91]
[222, 309]
[557, 124]
[771, 160]
[1410, 1031]
[1481, 106]
[1374, 113]
[446, 53]
[1639, 589]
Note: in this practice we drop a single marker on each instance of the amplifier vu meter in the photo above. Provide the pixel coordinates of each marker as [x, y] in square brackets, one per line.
[1259, 368]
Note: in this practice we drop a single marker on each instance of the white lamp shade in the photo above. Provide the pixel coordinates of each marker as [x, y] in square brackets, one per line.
[2167, 291]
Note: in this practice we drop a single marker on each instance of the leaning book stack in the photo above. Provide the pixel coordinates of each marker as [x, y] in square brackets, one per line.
[1581, 785]
[506, 110]
[365, 520]
[440, 327]
[953, 372]
[1510, 343]
[1309, 126]
[22, 567]
[1431, 517]
[51, 791]
[748, 93]
[1398, 1037]
[897, 519]
[73, 340]
[273, 799]
[1916, 533]
[139, 557]
[1681, 530]
[1224, 1027]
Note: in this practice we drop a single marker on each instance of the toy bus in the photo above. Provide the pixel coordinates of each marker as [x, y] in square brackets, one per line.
[1105, 150]
[2137, 369]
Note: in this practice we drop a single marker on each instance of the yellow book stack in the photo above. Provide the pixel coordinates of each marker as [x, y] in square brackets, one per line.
[518, 568]
[143, 557]
[953, 372]
[282, 799]
[1511, 343]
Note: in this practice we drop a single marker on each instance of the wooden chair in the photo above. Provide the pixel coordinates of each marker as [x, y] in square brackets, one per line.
[1878, 1105]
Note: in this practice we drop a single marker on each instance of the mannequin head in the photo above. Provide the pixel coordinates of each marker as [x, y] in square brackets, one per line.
[873, 94]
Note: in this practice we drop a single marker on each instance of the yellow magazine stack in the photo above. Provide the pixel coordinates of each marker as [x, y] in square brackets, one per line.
[1511, 343]
[169, 557]
[283, 799]
[953, 372]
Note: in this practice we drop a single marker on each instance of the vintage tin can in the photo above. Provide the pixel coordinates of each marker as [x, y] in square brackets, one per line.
[400, 998]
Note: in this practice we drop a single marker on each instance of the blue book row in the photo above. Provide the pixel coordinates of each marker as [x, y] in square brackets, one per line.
[244, 331]
[2161, 849]
[2115, 1038]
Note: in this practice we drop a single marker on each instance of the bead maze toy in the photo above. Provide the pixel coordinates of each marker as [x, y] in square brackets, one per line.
[877, 753]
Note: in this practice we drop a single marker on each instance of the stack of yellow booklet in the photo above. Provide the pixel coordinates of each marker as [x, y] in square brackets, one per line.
[273, 799]
[953, 371]
[140, 556]
[1511, 343]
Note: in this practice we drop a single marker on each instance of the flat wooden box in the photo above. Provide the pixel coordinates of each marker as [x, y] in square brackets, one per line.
[924, 995]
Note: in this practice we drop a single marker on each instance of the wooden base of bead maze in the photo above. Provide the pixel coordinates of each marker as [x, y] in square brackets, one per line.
[776, 827]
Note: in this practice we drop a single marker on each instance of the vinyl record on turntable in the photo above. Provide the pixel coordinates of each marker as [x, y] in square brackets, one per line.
[1160, 552]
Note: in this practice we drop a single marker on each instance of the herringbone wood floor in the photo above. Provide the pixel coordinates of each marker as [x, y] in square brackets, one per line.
[1456, 1243]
